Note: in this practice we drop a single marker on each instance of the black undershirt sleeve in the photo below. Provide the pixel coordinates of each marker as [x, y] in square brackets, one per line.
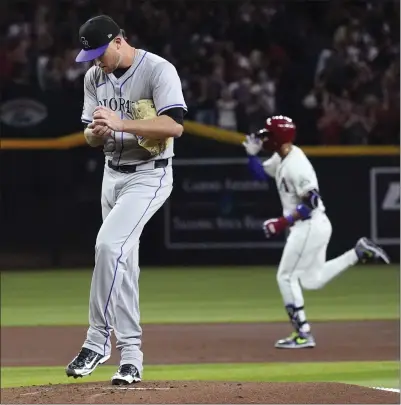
[177, 114]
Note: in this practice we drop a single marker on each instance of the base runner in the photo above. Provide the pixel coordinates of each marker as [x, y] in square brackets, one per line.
[134, 108]
[303, 263]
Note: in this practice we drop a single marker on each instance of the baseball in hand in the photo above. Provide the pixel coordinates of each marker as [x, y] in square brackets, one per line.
[95, 134]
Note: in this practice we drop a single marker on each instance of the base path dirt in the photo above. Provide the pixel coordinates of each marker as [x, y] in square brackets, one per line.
[200, 393]
[210, 343]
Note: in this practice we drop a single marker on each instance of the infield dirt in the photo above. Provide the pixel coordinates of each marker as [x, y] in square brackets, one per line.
[206, 343]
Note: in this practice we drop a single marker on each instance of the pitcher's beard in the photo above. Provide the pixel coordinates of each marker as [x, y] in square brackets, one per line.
[107, 70]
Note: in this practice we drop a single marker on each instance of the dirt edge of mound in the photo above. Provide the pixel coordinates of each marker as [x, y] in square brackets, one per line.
[195, 392]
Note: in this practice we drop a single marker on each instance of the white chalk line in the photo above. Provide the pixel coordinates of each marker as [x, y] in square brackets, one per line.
[30, 393]
[387, 389]
[137, 388]
[33, 393]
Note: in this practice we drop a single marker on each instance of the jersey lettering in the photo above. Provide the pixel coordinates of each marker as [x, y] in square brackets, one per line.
[117, 104]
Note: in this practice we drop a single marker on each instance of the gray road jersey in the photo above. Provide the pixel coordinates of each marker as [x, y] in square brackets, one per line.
[149, 77]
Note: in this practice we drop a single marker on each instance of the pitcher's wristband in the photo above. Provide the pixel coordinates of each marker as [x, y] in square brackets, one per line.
[290, 219]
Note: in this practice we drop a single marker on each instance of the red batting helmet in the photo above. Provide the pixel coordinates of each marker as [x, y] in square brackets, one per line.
[280, 130]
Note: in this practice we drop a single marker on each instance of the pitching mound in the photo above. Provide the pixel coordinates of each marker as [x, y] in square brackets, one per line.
[165, 392]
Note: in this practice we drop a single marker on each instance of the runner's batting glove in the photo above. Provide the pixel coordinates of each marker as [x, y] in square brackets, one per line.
[252, 145]
[275, 226]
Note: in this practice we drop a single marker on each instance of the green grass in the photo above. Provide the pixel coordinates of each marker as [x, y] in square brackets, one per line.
[383, 374]
[170, 295]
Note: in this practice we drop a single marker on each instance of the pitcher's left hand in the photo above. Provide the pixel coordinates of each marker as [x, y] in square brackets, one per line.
[105, 116]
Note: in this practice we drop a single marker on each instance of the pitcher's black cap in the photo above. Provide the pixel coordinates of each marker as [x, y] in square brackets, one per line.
[95, 36]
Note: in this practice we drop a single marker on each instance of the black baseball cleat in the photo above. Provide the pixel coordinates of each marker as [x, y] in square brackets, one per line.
[368, 251]
[83, 364]
[126, 374]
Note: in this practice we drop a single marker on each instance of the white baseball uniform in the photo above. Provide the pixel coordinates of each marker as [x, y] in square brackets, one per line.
[303, 261]
[128, 200]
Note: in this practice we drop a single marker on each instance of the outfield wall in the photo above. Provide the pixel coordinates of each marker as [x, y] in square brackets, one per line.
[50, 210]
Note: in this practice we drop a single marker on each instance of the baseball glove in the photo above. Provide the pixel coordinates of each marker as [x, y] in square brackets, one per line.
[143, 110]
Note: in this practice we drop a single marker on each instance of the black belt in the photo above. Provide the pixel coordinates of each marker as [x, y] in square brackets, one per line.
[159, 164]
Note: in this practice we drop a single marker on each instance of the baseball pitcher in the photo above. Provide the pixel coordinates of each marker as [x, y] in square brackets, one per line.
[303, 263]
[133, 108]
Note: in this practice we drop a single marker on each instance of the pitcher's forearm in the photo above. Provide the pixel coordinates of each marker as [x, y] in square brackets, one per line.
[155, 128]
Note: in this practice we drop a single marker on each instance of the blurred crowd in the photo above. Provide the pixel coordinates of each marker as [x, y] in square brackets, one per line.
[331, 65]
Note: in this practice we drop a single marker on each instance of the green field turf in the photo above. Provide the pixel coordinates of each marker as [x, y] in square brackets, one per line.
[372, 374]
[173, 295]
